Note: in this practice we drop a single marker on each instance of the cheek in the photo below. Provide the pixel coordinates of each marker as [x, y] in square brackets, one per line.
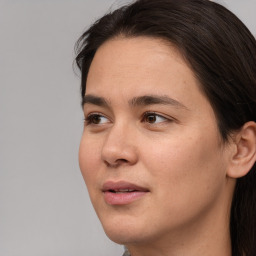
[89, 159]
[189, 168]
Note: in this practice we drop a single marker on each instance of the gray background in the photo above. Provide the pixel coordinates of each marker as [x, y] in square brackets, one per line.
[44, 206]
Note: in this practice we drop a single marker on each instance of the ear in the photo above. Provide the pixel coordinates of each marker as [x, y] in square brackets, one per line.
[244, 155]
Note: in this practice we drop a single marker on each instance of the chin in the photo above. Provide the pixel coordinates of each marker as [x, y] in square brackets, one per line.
[123, 231]
[121, 238]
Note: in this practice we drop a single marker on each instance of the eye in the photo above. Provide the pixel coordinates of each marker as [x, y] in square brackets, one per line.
[96, 119]
[153, 118]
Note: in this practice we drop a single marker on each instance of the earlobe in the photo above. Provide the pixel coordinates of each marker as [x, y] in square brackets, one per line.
[244, 157]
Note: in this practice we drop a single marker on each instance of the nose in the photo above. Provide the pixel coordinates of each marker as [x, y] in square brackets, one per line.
[119, 147]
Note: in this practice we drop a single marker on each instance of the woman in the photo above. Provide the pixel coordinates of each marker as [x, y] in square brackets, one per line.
[169, 144]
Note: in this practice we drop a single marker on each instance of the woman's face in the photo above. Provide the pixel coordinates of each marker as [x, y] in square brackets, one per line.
[151, 154]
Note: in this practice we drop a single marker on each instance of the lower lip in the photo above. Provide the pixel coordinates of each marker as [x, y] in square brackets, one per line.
[122, 198]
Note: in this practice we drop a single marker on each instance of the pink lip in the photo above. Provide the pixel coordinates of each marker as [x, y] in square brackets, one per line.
[112, 197]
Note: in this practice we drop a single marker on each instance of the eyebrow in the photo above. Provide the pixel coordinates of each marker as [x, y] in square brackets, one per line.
[95, 100]
[134, 102]
[155, 99]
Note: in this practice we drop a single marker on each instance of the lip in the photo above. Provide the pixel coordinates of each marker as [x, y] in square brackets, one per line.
[113, 195]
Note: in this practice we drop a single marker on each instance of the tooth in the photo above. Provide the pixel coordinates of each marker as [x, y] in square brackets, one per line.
[124, 190]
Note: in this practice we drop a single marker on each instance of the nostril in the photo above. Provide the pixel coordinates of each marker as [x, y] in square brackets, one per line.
[122, 160]
[116, 163]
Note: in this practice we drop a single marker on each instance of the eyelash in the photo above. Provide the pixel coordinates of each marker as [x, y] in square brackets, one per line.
[148, 114]
[89, 119]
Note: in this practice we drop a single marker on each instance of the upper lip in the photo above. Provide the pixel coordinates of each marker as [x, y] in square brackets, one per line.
[122, 185]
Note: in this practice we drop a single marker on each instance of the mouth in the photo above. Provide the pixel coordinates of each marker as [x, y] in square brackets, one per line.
[122, 193]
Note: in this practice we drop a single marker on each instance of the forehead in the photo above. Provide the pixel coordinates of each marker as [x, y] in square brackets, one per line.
[136, 54]
[133, 67]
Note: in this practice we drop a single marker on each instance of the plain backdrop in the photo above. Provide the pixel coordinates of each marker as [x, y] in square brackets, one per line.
[44, 205]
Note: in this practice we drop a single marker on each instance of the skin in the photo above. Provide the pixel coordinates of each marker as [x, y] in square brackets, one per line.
[176, 152]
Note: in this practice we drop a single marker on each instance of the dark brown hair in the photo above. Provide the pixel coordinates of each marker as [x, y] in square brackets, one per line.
[222, 53]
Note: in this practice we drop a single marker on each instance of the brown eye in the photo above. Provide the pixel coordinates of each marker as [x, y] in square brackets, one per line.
[153, 118]
[150, 118]
[96, 119]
